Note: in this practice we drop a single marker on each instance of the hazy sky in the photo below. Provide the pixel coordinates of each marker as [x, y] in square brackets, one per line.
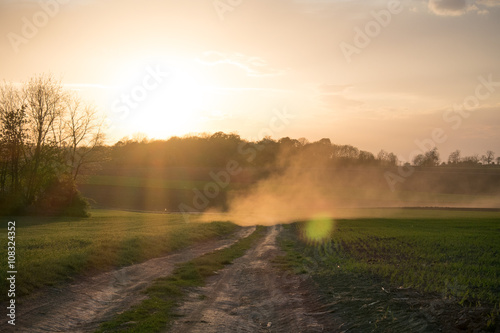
[374, 74]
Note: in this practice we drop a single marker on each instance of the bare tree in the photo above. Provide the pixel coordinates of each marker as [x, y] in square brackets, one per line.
[489, 157]
[386, 158]
[454, 157]
[46, 137]
[44, 98]
[12, 138]
[84, 134]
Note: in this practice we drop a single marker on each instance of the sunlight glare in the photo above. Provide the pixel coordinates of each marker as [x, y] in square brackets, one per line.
[319, 229]
[173, 107]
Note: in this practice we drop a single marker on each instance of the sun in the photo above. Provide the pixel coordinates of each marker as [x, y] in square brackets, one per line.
[162, 102]
[173, 109]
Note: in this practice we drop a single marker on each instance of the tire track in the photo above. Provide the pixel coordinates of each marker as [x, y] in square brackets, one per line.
[252, 296]
[82, 306]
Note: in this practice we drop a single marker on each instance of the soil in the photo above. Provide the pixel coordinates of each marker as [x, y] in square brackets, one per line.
[83, 305]
[369, 304]
[252, 295]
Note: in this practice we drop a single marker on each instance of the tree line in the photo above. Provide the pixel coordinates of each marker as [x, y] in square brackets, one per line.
[48, 136]
[214, 150]
[431, 158]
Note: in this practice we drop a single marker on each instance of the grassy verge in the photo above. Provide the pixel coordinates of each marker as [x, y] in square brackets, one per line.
[451, 259]
[154, 313]
[52, 250]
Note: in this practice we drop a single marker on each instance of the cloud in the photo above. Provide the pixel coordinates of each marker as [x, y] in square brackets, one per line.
[449, 7]
[460, 7]
[253, 66]
[488, 3]
[335, 96]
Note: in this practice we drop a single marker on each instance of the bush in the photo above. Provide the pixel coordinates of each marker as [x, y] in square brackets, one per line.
[12, 204]
[62, 198]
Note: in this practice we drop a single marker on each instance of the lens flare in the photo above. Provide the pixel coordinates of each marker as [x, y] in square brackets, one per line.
[319, 229]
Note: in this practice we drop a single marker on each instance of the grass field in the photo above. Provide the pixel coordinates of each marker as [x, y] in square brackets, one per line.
[53, 250]
[444, 262]
[444, 253]
[147, 182]
[156, 192]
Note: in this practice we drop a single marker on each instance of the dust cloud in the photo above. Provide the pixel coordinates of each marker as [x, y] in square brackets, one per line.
[301, 192]
[307, 186]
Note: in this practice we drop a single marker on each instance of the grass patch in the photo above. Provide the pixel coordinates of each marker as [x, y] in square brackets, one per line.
[53, 250]
[154, 313]
[454, 260]
[455, 257]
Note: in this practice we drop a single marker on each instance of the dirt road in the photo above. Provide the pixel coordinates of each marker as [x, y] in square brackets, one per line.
[81, 306]
[253, 296]
[250, 295]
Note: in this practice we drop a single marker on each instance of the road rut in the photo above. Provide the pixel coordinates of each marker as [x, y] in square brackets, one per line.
[252, 295]
[82, 306]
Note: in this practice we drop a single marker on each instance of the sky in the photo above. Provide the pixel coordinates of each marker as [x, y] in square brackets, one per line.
[403, 76]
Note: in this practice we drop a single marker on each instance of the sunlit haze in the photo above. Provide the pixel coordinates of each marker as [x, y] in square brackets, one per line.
[377, 74]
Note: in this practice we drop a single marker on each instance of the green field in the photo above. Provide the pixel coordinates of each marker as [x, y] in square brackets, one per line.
[420, 271]
[453, 254]
[148, 182]
[157, 192]
[52, 250]
[444, 253]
